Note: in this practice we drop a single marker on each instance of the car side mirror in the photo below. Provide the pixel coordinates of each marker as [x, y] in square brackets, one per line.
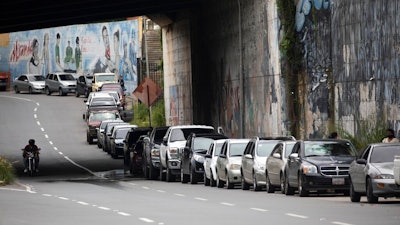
[165, 140]
[294, 156]
[361, 161]
[248, 156]
[276, 155]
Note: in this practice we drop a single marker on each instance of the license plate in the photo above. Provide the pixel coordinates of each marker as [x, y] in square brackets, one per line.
[337, 181]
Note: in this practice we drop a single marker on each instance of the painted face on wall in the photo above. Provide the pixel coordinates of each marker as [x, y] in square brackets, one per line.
[106, 42]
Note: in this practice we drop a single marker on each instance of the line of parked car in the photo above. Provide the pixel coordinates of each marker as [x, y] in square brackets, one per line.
[197, 153]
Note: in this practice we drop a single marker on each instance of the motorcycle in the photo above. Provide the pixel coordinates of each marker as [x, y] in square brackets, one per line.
[31, 162]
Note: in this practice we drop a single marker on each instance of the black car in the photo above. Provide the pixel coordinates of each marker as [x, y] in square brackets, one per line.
[151, 152]
[83, 85]
[192, 158]
[133, 148]
[319, 165]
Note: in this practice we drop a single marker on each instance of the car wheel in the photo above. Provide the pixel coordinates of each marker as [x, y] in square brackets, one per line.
[370, 193]
[270, 188]
[184, 177]
[89, 139]
[162, 174]
[169, 176]
[282, 183]
[98, 144]
[302, 191]
[30, 90]
[288, 189]
[245, 186]
[213, 182]
[60, 92]
[47, 90]
[193, 178]
[206, 180]
[229, 184]
[256, 187]
[220, 183]
[16, 89]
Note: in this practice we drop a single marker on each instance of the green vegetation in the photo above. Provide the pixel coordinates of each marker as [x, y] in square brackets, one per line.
[141, 117]
[6, 172]
[369, 132]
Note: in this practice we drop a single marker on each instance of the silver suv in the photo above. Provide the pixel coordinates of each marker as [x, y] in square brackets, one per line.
[63, 83]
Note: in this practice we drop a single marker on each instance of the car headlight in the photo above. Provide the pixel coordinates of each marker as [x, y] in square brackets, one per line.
[384, 176]
[173, 152]
[155, 152]
[309, 169]
[198, 158]
[234, 167]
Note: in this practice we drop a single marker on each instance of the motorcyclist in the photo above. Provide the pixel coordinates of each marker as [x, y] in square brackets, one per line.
[31, 147]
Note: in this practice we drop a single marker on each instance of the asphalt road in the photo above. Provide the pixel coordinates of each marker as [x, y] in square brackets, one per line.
[80, 184]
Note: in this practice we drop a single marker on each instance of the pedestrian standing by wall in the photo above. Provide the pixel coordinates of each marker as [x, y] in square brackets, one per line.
[390, 138]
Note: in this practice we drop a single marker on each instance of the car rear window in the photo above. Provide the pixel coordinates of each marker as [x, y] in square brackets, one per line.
[384, 154]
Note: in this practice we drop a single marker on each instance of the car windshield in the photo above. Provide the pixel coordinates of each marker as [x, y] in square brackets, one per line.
[103, 103]
[36, 78]
[181, 134]
[102, 78]
[202, 143]
[103, 116]
[265, 148]
[384, 154]
[288, 149]
[237, 149]
[217, 149]
[329, 149]
[159, 135]
[121, 133]
[66, 77]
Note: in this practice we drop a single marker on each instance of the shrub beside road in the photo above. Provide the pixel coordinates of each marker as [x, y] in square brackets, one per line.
[6, 172]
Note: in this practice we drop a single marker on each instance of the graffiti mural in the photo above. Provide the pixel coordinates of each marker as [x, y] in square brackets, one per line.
[78, 49]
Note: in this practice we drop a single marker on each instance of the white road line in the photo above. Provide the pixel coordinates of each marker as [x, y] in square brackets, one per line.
[180, 195]
[38, 123]
[60, 153]
[82, 167]
[42, 129]
[35, 116]
[296, 215]
[341, 223]
[258, 209]
[37, 103]
[161, 191]
[47, 195]
[50, 142]
[146, 188]
[124, 214]
[146, 220]
[63, 198]
[82, 203]
[35, 109]
[201, 199]
[227, 204]
[11, 189]
[23, 99]
[46, 136]
[28, 189]
[104, 208]
[133, 184]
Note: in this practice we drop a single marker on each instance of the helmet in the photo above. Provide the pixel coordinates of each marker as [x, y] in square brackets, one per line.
[31, 141]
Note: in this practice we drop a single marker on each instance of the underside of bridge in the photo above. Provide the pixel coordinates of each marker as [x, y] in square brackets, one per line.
[21, 15]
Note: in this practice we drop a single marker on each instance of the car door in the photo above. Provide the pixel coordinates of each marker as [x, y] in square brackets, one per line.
[358, 171]
[274, 164]
[221, 161]
[246, 161]
[292, 164]
[207, 160]
[23, 83]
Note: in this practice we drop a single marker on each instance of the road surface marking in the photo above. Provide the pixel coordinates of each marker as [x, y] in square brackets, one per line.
[60, 153]
[47, 195]
[201, 199]
[23, 99]
[63, 198]
[146, 188]
[35, 116]
[55, 149]
[124, 214]
[50, 142]
[82, 167]
[28, 188]
[46, 136]
[38, 123]
[133, 184]
[161, 191]
[82, 203]
[258, 209]
[146, 220]
[11, 189]
[340, 223]
[296, 215]
[180, 195]
[42, 129]
[37, 103]
[104, 208]
[227, 204]
[35, 109]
